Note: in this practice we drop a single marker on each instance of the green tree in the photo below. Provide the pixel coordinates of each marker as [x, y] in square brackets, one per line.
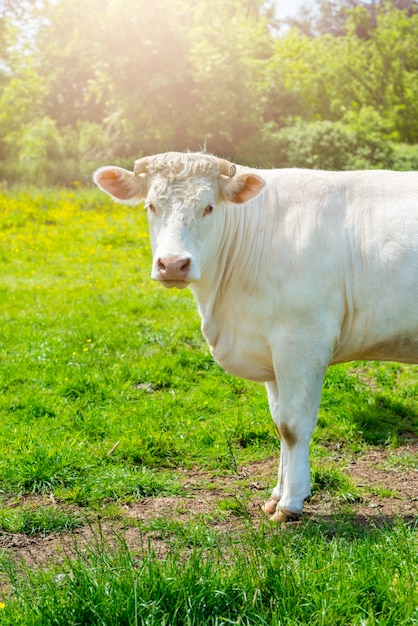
[330, 16]
[192, 74]
[382, 71]
[66, 52]
[325, 77]
[230, 53]
[83, 81]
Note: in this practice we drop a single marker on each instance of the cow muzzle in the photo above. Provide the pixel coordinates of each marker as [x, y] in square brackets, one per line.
[173, 271]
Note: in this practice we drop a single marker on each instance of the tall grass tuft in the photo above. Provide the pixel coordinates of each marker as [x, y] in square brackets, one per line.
[262, 577]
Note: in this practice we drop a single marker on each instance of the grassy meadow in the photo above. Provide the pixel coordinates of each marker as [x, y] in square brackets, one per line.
[110, 401]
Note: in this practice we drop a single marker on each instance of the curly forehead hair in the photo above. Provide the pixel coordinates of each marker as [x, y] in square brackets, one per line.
[190, 190]
[183, 165]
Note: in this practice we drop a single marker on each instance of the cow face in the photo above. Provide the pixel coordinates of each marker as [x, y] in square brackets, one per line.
[182, 194]
[180, 216]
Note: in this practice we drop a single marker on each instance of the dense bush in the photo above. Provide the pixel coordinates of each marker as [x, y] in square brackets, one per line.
[46, 157]
[328, 145]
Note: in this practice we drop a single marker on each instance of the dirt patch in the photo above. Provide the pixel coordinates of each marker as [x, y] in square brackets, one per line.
[222, 502]
[387, 493]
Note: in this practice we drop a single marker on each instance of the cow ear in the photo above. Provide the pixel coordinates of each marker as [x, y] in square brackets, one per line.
[121, 184]
[239, 189]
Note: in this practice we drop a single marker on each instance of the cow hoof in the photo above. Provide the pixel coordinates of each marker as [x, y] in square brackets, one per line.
[270, 506]
[285, 516]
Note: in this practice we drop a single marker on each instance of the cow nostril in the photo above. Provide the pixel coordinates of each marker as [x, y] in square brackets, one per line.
[185, 266]
[161, 265]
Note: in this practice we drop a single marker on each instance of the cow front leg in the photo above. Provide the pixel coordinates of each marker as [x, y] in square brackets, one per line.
[294, 407]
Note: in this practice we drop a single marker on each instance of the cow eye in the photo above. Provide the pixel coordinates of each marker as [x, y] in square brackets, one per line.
[151, 207]
[209, 209]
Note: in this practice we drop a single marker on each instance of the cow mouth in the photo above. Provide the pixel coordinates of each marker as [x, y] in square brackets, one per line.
[180, 284]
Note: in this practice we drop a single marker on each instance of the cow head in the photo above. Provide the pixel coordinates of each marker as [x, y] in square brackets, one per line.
[183, 193]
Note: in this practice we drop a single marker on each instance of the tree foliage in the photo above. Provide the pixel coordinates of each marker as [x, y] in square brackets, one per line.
[82, 81]
[331, 16]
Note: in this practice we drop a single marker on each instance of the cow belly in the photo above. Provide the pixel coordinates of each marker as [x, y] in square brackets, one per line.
[402, 349]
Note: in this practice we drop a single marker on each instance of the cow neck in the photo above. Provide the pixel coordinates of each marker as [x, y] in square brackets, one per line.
[231, 264]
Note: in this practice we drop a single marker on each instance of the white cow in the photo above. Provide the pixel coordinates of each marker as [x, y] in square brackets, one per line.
[292, 270]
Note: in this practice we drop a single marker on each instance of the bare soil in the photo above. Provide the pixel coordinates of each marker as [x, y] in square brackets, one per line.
[388, 494]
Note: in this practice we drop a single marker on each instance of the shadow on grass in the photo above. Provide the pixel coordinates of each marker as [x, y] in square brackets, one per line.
[357, 526]
[386, 420]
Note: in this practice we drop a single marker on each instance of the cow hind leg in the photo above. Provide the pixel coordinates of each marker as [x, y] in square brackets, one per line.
[271, 505]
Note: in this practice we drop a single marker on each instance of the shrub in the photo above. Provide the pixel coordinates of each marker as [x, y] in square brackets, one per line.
[326, 145]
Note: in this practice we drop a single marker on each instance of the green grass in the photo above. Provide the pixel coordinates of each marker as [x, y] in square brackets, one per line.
[41, 520]
[266, 577]
[109, 395]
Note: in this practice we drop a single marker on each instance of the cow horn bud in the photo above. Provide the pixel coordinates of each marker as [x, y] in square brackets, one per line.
[226, 168]
[140, 166]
